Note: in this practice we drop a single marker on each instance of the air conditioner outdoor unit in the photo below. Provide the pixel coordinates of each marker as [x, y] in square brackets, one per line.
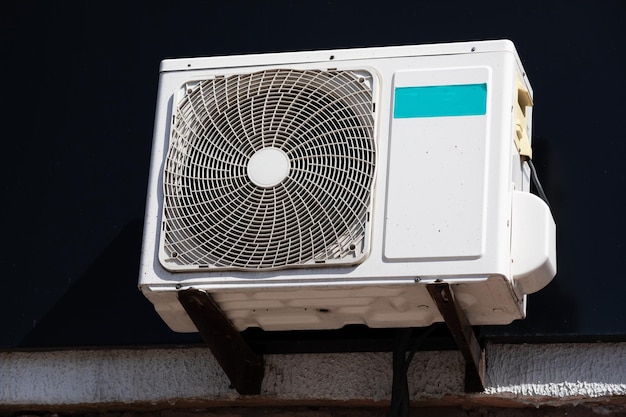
[311, 190]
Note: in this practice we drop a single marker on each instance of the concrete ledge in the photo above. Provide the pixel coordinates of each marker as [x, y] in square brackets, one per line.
[126, 379]
[557, 371]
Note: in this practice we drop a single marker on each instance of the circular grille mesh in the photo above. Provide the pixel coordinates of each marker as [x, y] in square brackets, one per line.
[216, 215]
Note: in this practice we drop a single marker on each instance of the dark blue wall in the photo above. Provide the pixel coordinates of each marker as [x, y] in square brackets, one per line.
[79, 89]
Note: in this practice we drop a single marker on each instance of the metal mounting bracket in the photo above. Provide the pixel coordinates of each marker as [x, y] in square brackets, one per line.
[241, 364]
[245, 368]
[463, 334]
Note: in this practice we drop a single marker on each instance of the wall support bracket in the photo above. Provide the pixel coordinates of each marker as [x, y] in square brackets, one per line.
[241, 364]
[463, 334]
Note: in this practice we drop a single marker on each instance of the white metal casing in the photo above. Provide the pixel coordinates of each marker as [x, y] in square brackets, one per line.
[451, 202]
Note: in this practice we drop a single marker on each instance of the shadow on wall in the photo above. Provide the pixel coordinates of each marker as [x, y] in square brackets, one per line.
[104, 306]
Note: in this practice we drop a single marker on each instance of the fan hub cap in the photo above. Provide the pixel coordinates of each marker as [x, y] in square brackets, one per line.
[268, 167]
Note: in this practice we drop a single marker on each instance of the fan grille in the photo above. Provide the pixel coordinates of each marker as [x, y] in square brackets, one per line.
[313, 209]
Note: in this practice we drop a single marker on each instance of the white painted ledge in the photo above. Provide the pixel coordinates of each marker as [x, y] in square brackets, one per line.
[517, 375]
[558, 371]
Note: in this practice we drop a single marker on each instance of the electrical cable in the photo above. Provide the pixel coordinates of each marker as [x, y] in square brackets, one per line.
[400, 363]
[400, 388]
[535, 179]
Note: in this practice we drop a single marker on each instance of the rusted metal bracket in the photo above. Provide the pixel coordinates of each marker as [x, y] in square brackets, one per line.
[463, 335]
[243, 366]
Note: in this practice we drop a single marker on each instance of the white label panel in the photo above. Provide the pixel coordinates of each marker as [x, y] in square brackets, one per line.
[437, 165]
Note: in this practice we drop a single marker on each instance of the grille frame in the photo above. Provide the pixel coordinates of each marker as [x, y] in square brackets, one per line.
[323, 120]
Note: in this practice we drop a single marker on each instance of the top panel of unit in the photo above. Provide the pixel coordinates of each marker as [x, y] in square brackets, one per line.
[185, 64]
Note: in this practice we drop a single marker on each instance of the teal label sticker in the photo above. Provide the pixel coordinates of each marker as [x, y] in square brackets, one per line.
[440, 100]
